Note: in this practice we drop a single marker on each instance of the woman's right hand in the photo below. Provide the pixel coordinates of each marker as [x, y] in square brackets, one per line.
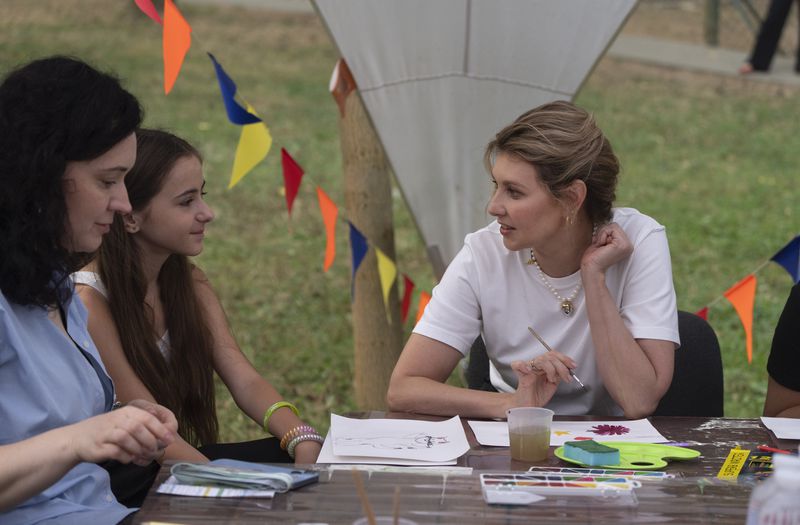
[136, 433]
[538, 379]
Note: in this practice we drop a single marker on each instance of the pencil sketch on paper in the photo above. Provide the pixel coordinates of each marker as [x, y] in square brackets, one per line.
[398, 438]
[408, 442]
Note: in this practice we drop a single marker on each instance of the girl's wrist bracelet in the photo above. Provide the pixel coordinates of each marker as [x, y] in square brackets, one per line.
[275, 406]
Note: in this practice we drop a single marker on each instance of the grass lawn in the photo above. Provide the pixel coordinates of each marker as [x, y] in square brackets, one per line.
[712, 159]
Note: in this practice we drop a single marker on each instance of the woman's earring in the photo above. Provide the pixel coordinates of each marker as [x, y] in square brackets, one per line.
[130, 223]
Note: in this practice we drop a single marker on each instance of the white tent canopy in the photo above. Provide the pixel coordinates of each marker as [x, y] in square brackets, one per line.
[439, 78]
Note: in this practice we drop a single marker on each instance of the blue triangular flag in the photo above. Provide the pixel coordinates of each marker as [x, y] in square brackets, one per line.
[789, 258]
[236, 113]
[358, 248]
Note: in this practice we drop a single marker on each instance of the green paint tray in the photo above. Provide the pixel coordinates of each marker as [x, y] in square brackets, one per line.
[639, 456]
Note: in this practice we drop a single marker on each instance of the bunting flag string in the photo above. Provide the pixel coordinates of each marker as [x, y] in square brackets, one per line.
[742, 294]
[177, 39]
[255, 143]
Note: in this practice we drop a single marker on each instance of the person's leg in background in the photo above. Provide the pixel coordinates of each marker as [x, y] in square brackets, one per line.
[768, 37]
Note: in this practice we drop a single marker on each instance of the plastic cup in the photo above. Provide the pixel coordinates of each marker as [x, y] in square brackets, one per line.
[529, 433]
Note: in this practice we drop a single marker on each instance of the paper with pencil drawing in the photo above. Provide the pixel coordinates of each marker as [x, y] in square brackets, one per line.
[394, 440]
[495, 433]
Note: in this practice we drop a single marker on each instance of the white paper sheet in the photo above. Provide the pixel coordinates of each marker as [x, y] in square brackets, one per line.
[783, 427]
[326, 455]
[490, 433]
[495, 433]
[396, 441]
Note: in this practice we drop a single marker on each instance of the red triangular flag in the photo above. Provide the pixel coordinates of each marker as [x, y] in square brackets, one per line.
[408, 287]
[147, 7]
[292, 175]
[702, 313]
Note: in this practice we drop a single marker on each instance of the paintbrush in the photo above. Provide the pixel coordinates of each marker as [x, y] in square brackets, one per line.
[539, 338]
[362, 495]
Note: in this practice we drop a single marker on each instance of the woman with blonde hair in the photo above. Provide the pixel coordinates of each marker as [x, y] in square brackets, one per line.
[595, 282]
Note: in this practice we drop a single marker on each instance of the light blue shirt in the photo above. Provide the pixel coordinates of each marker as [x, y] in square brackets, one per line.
[45, 383]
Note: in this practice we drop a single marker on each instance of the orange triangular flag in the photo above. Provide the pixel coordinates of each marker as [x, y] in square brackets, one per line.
[176, 42]
[742, 296]
[329, 212]
[424, 299]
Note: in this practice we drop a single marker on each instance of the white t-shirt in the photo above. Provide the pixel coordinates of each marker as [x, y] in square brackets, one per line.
[492, 291]
[92, 279]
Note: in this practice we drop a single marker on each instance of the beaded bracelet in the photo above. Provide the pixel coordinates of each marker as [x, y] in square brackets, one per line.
[293, 433]
[299, 439]
[275, 406]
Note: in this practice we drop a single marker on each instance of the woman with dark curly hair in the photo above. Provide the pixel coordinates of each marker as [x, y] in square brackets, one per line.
[593, 281]
[66, 142]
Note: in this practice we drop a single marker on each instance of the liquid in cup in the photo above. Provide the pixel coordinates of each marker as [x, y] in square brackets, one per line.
[529, 433]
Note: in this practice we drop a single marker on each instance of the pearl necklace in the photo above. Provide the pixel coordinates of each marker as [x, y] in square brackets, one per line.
[567, 306]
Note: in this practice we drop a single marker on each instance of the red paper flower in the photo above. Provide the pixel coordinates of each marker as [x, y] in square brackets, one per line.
[609, 430]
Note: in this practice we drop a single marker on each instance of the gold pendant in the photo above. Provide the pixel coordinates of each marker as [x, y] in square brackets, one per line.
[566, 307]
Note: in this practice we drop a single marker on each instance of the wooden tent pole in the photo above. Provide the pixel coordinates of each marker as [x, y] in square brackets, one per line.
[368, 199]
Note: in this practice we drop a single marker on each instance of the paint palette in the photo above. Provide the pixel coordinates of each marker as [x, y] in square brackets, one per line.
[509, 488]
[639, 456]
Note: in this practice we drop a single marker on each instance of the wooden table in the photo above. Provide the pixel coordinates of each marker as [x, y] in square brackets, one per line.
[694, 496]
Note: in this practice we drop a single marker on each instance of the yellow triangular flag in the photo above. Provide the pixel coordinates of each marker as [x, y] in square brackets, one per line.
[388, 273]
[254, 144]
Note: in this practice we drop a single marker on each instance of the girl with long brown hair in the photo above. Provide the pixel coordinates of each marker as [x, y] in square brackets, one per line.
[159, 326]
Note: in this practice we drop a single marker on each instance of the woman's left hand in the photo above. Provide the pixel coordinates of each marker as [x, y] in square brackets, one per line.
[609, 246]
[306, 452]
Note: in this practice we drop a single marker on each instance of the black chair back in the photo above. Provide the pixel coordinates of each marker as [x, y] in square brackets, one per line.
[697, 387]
